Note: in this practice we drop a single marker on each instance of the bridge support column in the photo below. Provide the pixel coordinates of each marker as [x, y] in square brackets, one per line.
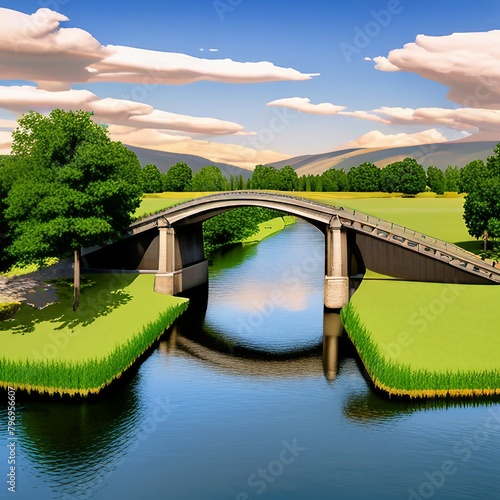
[337, 274]
[181, 264]
[165, 280]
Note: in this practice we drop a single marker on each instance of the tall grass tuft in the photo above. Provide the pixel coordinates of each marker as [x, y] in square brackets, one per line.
[89, 376]
[403, 380]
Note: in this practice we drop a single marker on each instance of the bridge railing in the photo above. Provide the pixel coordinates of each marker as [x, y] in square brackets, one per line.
[410, 233]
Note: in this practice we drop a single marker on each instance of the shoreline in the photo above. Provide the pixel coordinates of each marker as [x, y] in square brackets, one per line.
[406, 355]
[55, 351]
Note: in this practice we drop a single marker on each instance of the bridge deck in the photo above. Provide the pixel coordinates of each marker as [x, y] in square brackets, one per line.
[203, 208]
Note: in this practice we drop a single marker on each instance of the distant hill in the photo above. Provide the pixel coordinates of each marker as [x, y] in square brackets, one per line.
[440, 155]
[164, 161]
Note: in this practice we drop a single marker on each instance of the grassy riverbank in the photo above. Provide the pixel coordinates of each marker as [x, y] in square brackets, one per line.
[433, 339]
[269, 228]
[56, 350]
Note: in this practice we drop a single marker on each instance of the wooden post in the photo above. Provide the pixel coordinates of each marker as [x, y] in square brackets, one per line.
[76, 279]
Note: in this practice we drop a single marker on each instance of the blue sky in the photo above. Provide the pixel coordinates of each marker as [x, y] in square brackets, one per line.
[329, 38]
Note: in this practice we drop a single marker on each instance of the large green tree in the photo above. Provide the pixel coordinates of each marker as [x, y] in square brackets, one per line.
[482, 210]
[151, 179]
[406, 176]
[288, 179]
[452, 179]
[472, 175]
[74, 188]
[364, 178]
[8, 174]
[482, 203]
[233, 227]
[209, 178]
[178, 178]
[265, 177]
[334, 180]
[435, 179]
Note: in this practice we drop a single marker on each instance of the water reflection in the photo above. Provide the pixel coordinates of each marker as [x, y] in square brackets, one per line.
[76, 444]
[332, 330]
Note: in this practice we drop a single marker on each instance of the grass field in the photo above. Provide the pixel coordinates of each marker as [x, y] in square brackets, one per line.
[66, 349]
[427, 339]
[269, 228]
[441, 217]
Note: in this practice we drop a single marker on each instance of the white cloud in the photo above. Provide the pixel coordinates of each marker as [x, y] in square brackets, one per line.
[376, 139]
[112, 111]
[484, 124]
[364, 115]
[34, 48]
[467, 63]
[37, 49]
[383, 64]
[304, 105]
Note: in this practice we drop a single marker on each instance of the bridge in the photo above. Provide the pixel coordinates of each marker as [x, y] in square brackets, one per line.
[170, 244]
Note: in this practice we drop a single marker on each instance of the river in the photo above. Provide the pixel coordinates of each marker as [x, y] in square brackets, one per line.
[255, 393]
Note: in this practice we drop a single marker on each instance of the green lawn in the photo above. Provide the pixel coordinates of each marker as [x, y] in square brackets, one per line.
[427, 339]
[441, 217]
[152, 203]
[269, 228]
[119, 317]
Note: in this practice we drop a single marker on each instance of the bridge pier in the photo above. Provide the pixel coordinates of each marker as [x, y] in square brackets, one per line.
[176, 270]
[337, 272]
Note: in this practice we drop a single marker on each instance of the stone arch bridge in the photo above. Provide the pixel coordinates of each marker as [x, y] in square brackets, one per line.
[170, 244]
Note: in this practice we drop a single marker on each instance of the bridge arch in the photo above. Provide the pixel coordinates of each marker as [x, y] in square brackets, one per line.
[170, 244]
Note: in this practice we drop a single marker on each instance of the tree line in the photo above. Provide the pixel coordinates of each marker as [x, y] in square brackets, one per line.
[406, 176]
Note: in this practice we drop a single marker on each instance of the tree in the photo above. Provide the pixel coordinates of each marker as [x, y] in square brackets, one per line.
[451, 179]
[435, 179]
[482, 209]
[287, 179]
[406, 176]
[208, 178]
[334, 180]
[317, 184]
[240, 183]
[233, 227]
[493, 162]
[178, 178]
[151, 179]
[364, 178]
[471, 175]
[265, 177]
[8, 175]
[74, 188]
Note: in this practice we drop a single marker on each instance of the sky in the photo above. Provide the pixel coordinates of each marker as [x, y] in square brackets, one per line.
[255, 81]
